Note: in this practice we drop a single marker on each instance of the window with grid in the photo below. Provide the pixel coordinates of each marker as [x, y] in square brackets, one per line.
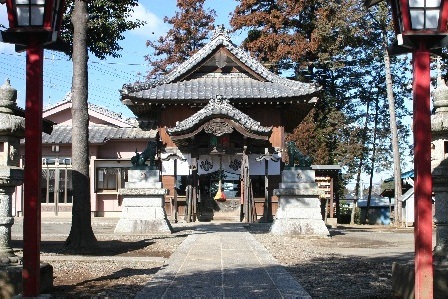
[111, 178]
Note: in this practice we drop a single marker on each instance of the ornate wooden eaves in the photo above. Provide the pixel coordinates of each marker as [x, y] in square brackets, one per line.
[219, 117]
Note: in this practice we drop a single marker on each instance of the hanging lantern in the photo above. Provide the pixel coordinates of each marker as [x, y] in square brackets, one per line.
[40, 18]
[414, 19]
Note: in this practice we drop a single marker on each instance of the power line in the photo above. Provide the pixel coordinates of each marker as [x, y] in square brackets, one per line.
[58, 78]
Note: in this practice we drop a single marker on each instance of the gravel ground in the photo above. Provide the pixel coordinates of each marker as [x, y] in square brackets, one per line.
[354, 263]
[126, 264]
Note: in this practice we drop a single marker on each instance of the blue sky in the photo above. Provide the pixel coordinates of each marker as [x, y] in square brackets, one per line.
[106, 77]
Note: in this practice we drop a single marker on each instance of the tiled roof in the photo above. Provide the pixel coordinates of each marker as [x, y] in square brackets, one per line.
[404, 175]
[219, 107]
[47, 125]
[228, 86]
[101, 110]
[98, 134]
[208, 87]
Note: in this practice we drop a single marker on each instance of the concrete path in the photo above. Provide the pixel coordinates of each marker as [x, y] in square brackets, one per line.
[222, 261]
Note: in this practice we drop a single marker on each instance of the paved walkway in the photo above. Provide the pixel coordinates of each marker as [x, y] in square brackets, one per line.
[222, 261]
[217, 260]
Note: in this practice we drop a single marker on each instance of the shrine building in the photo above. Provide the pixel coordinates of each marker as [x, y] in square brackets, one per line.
[218, 109]
[220, 120]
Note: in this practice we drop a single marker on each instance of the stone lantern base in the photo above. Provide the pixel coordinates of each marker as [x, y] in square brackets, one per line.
[11, 279]
[143, 212]
[298, 210]
[143, 204]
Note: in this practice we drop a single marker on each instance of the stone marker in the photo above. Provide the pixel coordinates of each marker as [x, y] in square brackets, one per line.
[143, 203]
[298, 210]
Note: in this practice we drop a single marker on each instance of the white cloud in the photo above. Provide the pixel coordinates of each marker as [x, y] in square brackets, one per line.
[154, 26]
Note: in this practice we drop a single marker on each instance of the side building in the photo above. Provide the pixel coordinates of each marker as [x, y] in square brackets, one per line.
[113, 141]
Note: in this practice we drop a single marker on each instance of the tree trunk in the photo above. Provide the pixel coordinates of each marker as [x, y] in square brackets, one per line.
[81, 235]
[372, 165]
[396, 151]
[356, 197]
[361, 164]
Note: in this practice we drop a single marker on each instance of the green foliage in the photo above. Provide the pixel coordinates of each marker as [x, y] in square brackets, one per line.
[340, 46]
[107, 21]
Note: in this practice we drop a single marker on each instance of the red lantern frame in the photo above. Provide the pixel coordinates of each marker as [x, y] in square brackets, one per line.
[33, 37]
[408, 37]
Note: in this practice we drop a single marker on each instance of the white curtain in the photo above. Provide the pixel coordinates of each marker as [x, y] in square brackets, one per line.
[182, 166]
[257, 168]
[212, 163]
[232, 164]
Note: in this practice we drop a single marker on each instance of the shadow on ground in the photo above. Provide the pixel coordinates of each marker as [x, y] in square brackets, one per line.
[321, 278]
[345, 277]
[140, 248]
[113, 285]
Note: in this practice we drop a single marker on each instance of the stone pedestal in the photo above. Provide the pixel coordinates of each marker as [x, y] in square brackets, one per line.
[11, 175]
[439, 167]
[299, 206]
[6, 221]
[403, 281]
[12, 128]
[11, 284]
[143, 204]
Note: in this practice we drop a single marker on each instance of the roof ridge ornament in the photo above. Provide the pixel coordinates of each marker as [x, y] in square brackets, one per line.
[220, 30]
[219, 100]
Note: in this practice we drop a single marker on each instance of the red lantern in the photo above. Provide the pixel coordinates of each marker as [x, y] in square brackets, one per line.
[416, 18]
[37, 17]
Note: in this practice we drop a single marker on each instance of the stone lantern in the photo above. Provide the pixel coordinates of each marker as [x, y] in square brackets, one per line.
[12, 128]
[439, 167]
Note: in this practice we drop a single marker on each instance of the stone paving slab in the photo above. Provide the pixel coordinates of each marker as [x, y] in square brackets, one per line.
[222, 262]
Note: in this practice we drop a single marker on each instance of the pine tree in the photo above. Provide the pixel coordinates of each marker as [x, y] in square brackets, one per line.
[310, 40]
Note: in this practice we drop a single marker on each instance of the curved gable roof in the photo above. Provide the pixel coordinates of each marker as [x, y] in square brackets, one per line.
[221, 38]
[174, 85]
[220, 107]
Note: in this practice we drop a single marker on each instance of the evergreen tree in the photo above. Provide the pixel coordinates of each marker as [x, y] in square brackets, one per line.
[338, 46]
[96, 26]
[309, 41]
[190, 28]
